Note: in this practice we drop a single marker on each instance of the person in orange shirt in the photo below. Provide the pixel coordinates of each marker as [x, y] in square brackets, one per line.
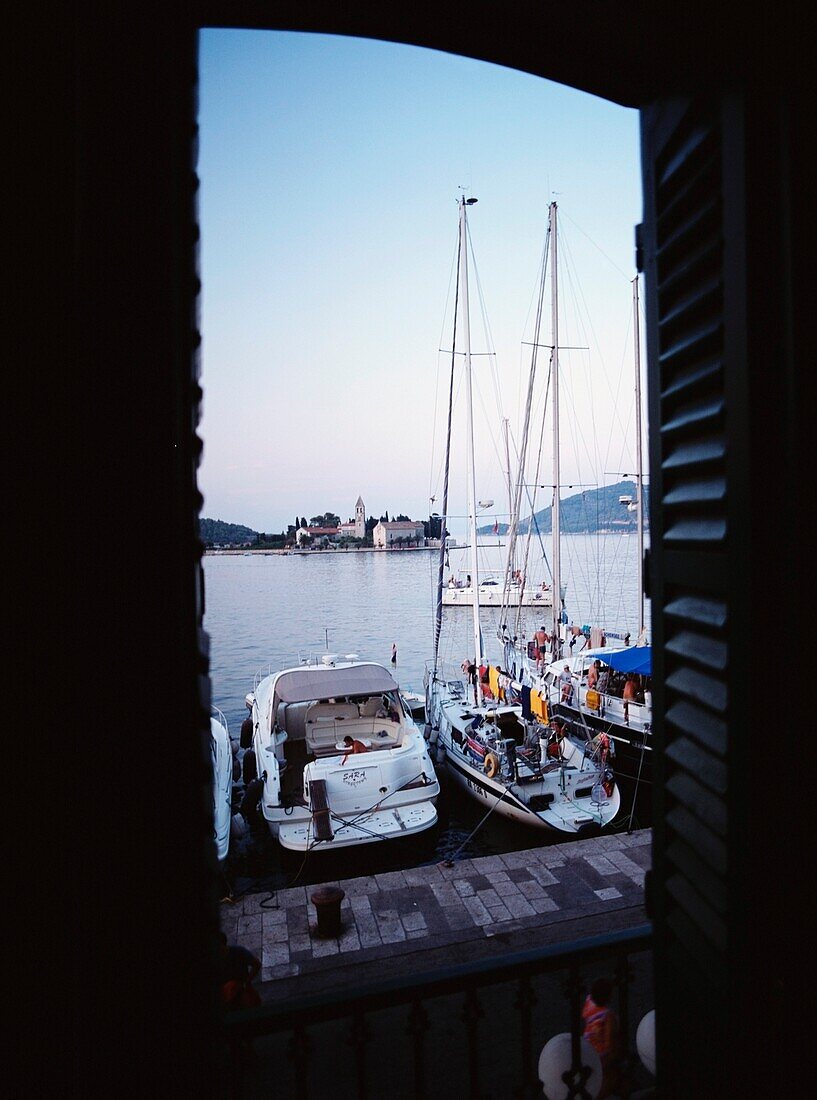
[628, 695]
[352, 747]
[602, 1032]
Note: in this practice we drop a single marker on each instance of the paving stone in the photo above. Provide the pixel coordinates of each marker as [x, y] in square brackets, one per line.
[386, 914]
[229, 925]
[422, 876]
[544, 905]
[484, 864]
[275, 954]
[390, 880]
[602, 864]
[544, 876]
[549, 857]
[489, 896]
[457, 870]
[299, 943]
[418, 934]
[516, 861]
[274, 916]
[251, 903]
[507, 889]
[531, 890]
[464, 887]
[294, 896]
[368, 932]
[497, 876]
[297, 920]
[608, 894]
[445, 893]
[356, 887]
[477, 910]
[412, 922]
[642, 837]
[499, 913]
[459, 918]
[624, 864]
[608, 842]
[361, 904]
[288, 970]
[250, 926]
[392, 932]
[349, 940]
[322, 948]
[276, 933]
[518, 907]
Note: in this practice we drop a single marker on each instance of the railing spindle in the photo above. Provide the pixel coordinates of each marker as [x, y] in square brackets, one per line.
[417, 1028]
[525, 1000]
[298, 1052]
[471, 1014]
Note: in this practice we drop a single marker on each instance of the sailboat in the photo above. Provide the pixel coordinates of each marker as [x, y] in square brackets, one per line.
[604, 688]
[502, 751]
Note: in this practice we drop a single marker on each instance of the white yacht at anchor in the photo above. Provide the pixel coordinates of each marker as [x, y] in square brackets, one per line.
[339, 759]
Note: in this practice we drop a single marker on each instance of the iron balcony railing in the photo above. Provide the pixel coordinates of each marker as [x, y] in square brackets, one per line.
[472, 1029]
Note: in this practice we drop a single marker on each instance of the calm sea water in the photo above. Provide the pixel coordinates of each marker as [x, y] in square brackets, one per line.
[268, 611]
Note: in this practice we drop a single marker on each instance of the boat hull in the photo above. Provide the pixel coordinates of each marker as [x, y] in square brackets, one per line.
[463, 597]
[401, 821]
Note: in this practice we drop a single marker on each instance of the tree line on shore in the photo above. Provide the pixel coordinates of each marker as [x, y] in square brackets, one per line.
[216, 533]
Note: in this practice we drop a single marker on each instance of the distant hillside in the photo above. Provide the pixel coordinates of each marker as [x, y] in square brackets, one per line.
[215, 532]
[587, 512]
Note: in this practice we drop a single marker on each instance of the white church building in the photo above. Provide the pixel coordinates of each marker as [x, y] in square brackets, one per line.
[355, 528]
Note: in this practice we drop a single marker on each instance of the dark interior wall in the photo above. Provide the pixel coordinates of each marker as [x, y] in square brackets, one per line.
[109, 437]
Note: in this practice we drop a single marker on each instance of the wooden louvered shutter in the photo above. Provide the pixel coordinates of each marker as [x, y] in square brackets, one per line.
[682, 246]
[716, 248]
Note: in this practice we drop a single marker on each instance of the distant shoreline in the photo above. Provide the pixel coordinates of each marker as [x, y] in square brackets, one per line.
[319, 553]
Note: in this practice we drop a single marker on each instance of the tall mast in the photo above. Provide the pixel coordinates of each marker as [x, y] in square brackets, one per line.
[471, 477]
[511, 565]
[639, 497]
[556, 510]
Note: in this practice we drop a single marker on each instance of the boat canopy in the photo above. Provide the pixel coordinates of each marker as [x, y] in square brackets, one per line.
[302, 685]
[636, 659]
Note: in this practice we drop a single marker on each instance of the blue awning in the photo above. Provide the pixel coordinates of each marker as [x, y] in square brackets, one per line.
[636, 659]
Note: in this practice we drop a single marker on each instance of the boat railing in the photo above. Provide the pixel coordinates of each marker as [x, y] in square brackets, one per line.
[219, 715]
[300, 1042]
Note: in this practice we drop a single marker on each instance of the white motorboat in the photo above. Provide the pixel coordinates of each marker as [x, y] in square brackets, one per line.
[339, 758]
[500, 752]
[222, 761]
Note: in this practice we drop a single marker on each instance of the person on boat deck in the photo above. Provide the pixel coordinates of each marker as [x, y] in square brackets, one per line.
[601, 683]
[556, 736]
[387, 709]
[353, 747]
[566, 680]
[628, 694]
[593, 674]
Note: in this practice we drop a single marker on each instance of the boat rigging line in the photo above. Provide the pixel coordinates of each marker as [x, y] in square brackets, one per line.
[450, 861]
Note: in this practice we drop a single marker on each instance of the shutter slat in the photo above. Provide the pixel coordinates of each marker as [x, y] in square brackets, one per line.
[698, 686]
[706, 805]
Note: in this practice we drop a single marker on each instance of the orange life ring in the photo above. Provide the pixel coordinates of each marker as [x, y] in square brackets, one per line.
[491, 764]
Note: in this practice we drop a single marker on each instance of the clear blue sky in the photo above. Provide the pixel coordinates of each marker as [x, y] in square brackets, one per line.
[330, 171]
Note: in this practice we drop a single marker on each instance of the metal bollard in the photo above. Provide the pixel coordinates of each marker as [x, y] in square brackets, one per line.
[327, 901]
